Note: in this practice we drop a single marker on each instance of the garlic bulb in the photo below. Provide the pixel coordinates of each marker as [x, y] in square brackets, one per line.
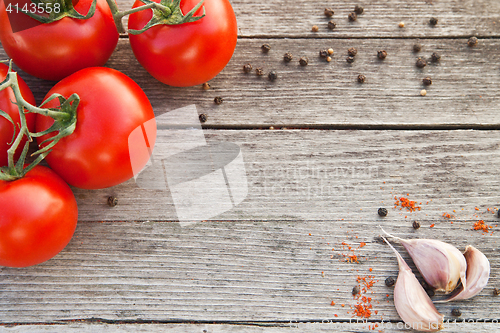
[478, 273]
[441, 264]
[412, 302]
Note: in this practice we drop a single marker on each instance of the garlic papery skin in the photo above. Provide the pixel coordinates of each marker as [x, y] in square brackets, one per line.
[478, 273]
[412, 302]
[442, 265]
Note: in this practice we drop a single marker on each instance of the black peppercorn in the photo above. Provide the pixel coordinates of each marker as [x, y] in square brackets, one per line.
[331, 25]
[417, 47]
[382, 212]
[350, 59]
[382, 54]
[206, 86]
[272, 75]
[259, 71]
[323, 53]
[456, 312]
[421, 63]
[329, 12]
[472, 41]
[427, 81]
[303, 61]
[247, 68]
[416, 225]
[358, 9]
[435, 57]
[389, 282]
[433, 21]
[203, 117]
[218, 100]
[496, 292]
[112, 201]
[265, 48]
[352, 52]
[352, 16]
[288, 57]
[361, 78]
[355, 290]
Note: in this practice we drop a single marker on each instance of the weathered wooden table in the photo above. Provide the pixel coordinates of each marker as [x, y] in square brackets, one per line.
[322, 153]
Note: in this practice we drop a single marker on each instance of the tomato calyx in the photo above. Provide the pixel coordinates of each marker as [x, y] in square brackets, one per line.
[58, 10]
[64, 124]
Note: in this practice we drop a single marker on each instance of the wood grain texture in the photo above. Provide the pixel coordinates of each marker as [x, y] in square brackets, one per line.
[226, 272]
[331, 175]
[214, 328]
[464, 90]
[294, 18]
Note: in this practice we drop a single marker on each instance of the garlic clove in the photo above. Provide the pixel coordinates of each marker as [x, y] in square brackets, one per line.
[478, 273]
[441, 264]
[412, 302]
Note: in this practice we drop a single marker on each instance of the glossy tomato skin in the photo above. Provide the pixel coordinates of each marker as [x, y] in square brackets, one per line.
[97, 154]
[55, 50]
[6, 127]
[38, 218]
[187, 54]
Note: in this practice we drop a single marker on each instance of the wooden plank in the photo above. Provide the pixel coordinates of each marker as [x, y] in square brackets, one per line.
[227, 272]
[310, 327]
[287, 18]
[331, 175]
[464, 90]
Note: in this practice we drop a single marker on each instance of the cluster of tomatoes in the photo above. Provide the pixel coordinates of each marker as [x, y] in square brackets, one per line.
[38, 212]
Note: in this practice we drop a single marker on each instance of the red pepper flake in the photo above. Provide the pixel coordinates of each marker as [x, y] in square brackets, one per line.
[476, 208]
[362, 244]
[333, 303]
[336, 315]
[410, 205]
[480, 225]
[371, 269]
[432, 225]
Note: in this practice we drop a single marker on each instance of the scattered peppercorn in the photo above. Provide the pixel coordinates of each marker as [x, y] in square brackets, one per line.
[352, 16]
[416, 225]
[112, 201]
[389, 282]
[206, 86]
[472, 41]
[288, 57]
[331, 25]
[355, 290]
[427, 81]
[272, 75]
[361, 79]
[218, 100]
[423, 92]
[328, 59]
[265, 48]
[417, 47]
[350, 59]
[330, 51]
[314, 28]
[323, 53]
[203, 117]
[421, 63]
[382, 54]
[382, 211]
[496, 292]
[456, 312]
[433, 21]
[435, 57]
[401, 24]
[259, 71]
[352, 52]
[247, 68]
[303, 61]
[329, 12]
[358, 10]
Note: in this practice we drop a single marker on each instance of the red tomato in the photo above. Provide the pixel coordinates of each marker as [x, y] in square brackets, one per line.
[6, 127]
[37, 219]
[186, 54]
[97, 155]
[55, 50]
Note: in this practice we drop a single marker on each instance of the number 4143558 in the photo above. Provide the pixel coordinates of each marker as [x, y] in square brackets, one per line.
[34, 8]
